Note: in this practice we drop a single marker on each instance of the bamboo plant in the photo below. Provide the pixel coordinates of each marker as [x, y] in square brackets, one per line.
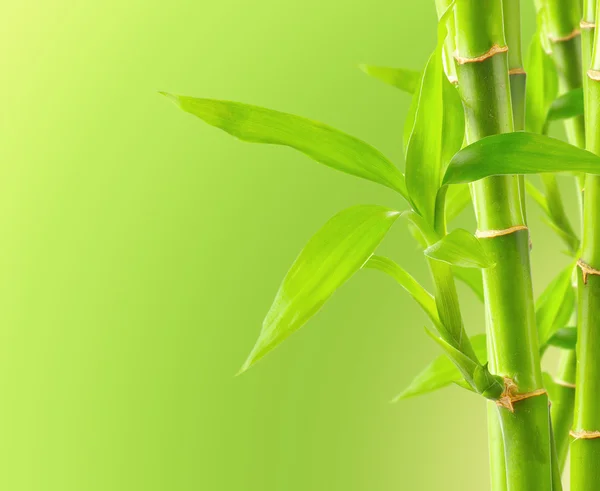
[476, 132]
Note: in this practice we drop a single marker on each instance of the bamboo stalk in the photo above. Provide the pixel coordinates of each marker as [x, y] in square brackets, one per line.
[565, 35]
[588, 27]
[563, 404]
[517, 80]
[484, 85]
[585, 449]
[563, 19]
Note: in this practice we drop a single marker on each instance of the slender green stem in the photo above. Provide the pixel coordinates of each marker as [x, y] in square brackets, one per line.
[484, 86]
[562, 27]
[585, 451]
[446, 296]
[562, 21]
[517, 79]
[588, 21]
[563, 404]
[556, 471]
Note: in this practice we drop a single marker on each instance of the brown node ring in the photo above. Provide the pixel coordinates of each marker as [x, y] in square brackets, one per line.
[594, 75]
[510, 395]
[561, 39]
[490, 234]
[517, 71]
[584, 434]
[587, 270]
[564, 383]
[494, 50]
[584, 24]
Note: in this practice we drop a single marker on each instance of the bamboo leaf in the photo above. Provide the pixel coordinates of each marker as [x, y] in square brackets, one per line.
[406, 281]
[551, 386]
[555, 305]
[568, 105]
[322, 143]
[409, 122]
[518, 153]
[537, 196]
[329, 259]
[430, 145]
[453, 126]
[472, 278]
[565, 338]
[550, 201]
[458, 198]
[441, 372]
[556, 213]
[401, 78]
[423, 154]
[460, 248]
[542, 85]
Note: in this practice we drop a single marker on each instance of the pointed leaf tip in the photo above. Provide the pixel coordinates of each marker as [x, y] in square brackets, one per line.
[331, 257]
[518, 153]
[323, 143]
[172, 97]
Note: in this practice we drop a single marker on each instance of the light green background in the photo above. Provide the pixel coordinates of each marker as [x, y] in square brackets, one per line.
[139, 250]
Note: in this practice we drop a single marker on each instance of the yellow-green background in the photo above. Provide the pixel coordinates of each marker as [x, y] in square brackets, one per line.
[139, 250]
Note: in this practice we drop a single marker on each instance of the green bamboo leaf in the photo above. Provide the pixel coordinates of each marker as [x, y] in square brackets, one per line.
[551, 386]
[322, 143]
[475, 374]
[458, 198]
[453, 126]
[542, 85]
[417, 235]
[442, 372]
[406, 281]
[555, 305]
[518, 153]
[430, 145]
[565, 338]
[329, 259]
[401, 78]
[550, 201]
[460, 248]
[537, 196]
[472, 278]
[424, 151]
[568, 105]
[409, 122]
[556, 213]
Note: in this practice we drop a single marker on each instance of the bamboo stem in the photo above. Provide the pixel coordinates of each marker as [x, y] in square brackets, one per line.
[563, 29]
[485, 90]
[565, 35]
[564, 404]
[585, 449]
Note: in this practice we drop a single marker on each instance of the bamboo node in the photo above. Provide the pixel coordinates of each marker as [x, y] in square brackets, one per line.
[510, 395]
[594, 75]
[490, 234]
[517, 71]
[561, 39]
[587, 270]
[584, 24]
[494, 50]
[584, 434]
[564, 383]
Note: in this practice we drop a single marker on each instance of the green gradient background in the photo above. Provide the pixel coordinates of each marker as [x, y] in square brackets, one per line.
[140, 249]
